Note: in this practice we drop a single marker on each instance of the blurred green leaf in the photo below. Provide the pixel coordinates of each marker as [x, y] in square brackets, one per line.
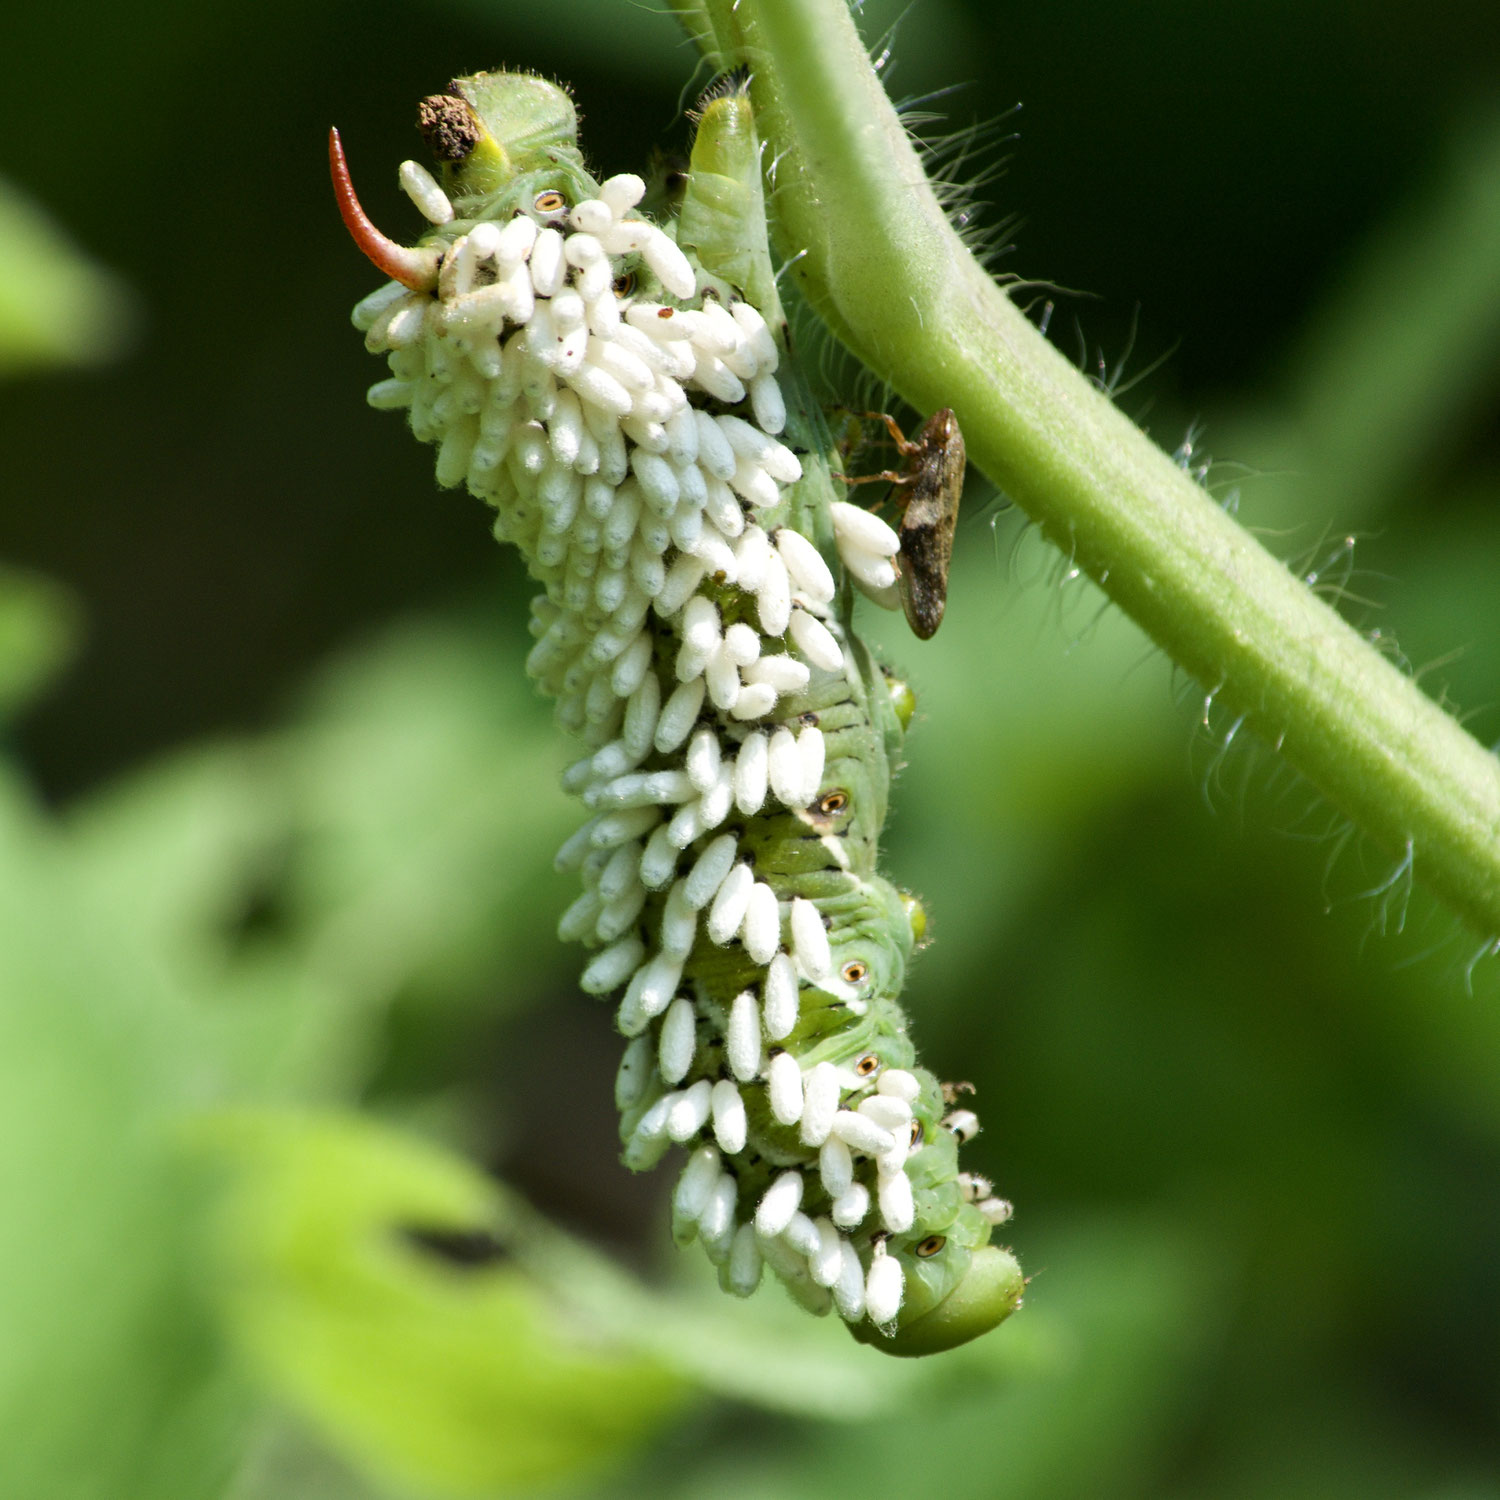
[110, 1382]
[1115, 1329]
[57, 307]
[39, 631]
[459, 1378]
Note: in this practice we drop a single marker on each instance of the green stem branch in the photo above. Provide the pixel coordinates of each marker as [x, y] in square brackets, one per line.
[881, 264]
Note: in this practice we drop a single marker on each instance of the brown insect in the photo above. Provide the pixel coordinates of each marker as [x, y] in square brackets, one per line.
[933, 484]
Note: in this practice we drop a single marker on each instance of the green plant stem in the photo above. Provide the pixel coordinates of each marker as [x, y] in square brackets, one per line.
[880, 263]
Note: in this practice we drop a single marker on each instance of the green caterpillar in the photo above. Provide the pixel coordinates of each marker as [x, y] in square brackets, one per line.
[621, 393]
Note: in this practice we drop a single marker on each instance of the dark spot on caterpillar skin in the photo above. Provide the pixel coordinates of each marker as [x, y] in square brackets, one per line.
[449, 126]
[467, 1249]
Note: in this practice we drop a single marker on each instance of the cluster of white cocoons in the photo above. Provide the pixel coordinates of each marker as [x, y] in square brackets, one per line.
[584, 418]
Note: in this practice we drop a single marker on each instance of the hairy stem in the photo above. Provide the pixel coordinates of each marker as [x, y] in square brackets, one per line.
[880, 263]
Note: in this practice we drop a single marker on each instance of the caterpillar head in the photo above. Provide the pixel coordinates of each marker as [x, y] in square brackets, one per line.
[952, 1295]
[956, 1284]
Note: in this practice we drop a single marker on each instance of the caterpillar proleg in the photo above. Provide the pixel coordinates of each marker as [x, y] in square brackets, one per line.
[621, 392]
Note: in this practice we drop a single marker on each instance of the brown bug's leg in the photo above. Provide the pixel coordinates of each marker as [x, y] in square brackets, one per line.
[886, 476]
[897, 436]
[416, 268]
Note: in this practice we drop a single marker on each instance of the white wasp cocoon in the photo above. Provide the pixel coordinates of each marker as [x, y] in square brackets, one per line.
[784, 1087]
[851, 1206]
[431, 201]
[634, 1072]
[779, 1010]
[875, 575]
[898, 1083]
[690, 1113]
[745, 1262]
[835, 1165]
[897, 1209]
[678, 715]
[859, 529]
[710, 870]
[755, 701]
[678, 1040]
[762, 927]
[805, 565]
[783, 673]
[815, 641]
[811, 748]
[621, 193]
[716, 1224]
[679, 923]
[849, 1289]
[810, 940]
[729, 1117]
[773, 600]
[727, 913]
[742, 1037]
[780, 1202]
[696, 1183]
[784, 767]
[860, 1133]
[820, 1102]
[659, 860]
[591, 216]
[883, 1287]
[827, 1261]
[703, 758]
[887, 1111]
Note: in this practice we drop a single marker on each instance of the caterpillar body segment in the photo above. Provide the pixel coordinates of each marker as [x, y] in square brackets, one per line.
[621, 392]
